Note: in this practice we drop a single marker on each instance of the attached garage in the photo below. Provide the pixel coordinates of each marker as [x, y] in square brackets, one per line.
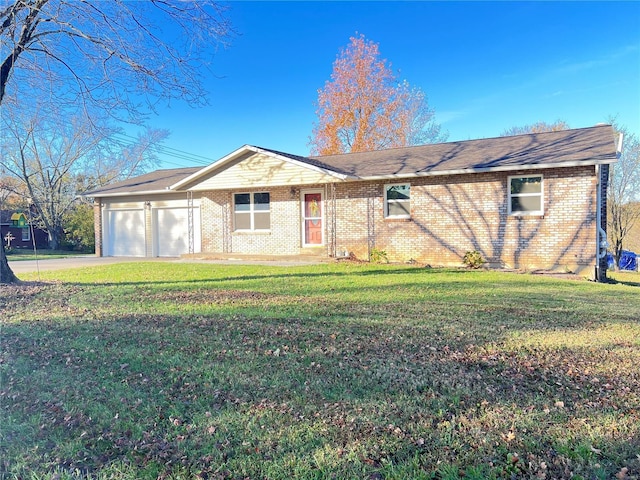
[167, 228]
[134, 220]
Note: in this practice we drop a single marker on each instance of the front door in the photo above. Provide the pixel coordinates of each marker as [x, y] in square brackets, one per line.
[312, 228]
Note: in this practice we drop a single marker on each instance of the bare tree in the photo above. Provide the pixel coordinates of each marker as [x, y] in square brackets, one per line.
[121, 57]
[364, 107]
[538, 127]
[55, 160]
[115, 54]
[623, 192]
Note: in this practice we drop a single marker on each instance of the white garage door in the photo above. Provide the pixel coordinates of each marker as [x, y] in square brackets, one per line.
[171, 231]
[125, 233]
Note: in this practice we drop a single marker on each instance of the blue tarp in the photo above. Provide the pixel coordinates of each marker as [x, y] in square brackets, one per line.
[628, 261]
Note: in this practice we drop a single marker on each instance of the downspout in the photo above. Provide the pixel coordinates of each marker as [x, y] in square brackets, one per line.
[601, 234]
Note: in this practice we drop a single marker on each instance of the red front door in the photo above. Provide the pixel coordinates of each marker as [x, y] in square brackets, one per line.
[312, 218]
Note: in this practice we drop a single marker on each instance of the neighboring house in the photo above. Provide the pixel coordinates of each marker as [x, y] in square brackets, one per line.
[16, 232]
[535, 201]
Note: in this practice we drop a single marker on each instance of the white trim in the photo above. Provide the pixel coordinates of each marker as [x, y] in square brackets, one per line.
[540, 194]
[349, 178]
[227, 158]
[298, 163]
[386, 201]
[219, 164]
[462, 171]
[303, 218]
[127, 194]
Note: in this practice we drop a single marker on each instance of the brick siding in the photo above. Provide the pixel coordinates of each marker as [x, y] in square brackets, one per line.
[97, 226]
[450, 215]
[283, 238]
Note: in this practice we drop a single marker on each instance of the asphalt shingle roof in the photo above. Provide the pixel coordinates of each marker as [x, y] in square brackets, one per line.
[594, 145]
[154, 181]
[315, 161]
[586, 146]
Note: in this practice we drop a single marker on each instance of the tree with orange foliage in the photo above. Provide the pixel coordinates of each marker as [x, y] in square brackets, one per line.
[364, 107]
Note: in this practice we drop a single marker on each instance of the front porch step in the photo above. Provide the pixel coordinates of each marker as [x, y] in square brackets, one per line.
[314, 251]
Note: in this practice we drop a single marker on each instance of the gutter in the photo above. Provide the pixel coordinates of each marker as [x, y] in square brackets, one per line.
[124, 194]
[462, 171]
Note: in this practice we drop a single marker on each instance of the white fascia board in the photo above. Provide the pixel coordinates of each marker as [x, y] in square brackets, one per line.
[246, 149]
[315, 168]
[128, 194]
[217, 164]
[486, 170]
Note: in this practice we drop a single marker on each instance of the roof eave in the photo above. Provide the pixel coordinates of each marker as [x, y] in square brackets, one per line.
[509, 168]
[315, 168]
[124, 194]
[250, 148]
[215, 165]
[352, 178]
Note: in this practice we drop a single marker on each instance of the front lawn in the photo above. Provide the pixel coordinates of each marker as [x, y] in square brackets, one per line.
[168, 370]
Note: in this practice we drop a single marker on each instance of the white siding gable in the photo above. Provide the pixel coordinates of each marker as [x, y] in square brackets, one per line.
[260, 170]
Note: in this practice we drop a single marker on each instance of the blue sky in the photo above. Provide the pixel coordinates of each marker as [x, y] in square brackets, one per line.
[485, 67]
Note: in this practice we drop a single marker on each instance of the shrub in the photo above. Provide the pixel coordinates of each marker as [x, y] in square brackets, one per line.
[79, 229]
[473, 259]
[378, 256]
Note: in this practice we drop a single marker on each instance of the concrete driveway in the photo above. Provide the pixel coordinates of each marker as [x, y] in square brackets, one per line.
[45, 264]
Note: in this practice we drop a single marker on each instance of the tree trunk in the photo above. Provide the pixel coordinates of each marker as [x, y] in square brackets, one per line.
[6, 274]
[617, 255]
[54, 241]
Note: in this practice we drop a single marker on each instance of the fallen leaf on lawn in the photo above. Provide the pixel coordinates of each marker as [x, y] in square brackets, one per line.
[622, 474]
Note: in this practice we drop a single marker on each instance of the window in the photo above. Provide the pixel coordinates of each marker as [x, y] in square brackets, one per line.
[26, 234]
[251, 211]
[525, 195]
[397, 201]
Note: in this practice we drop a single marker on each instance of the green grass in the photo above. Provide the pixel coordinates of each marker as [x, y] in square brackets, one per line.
[166, 370]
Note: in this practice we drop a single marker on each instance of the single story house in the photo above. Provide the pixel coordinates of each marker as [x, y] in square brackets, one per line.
[16, 231]
[534, 201]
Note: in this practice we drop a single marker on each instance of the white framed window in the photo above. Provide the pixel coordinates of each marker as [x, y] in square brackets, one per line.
[526, 195]
[252, 211]
[26, 234]
[397, 201]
